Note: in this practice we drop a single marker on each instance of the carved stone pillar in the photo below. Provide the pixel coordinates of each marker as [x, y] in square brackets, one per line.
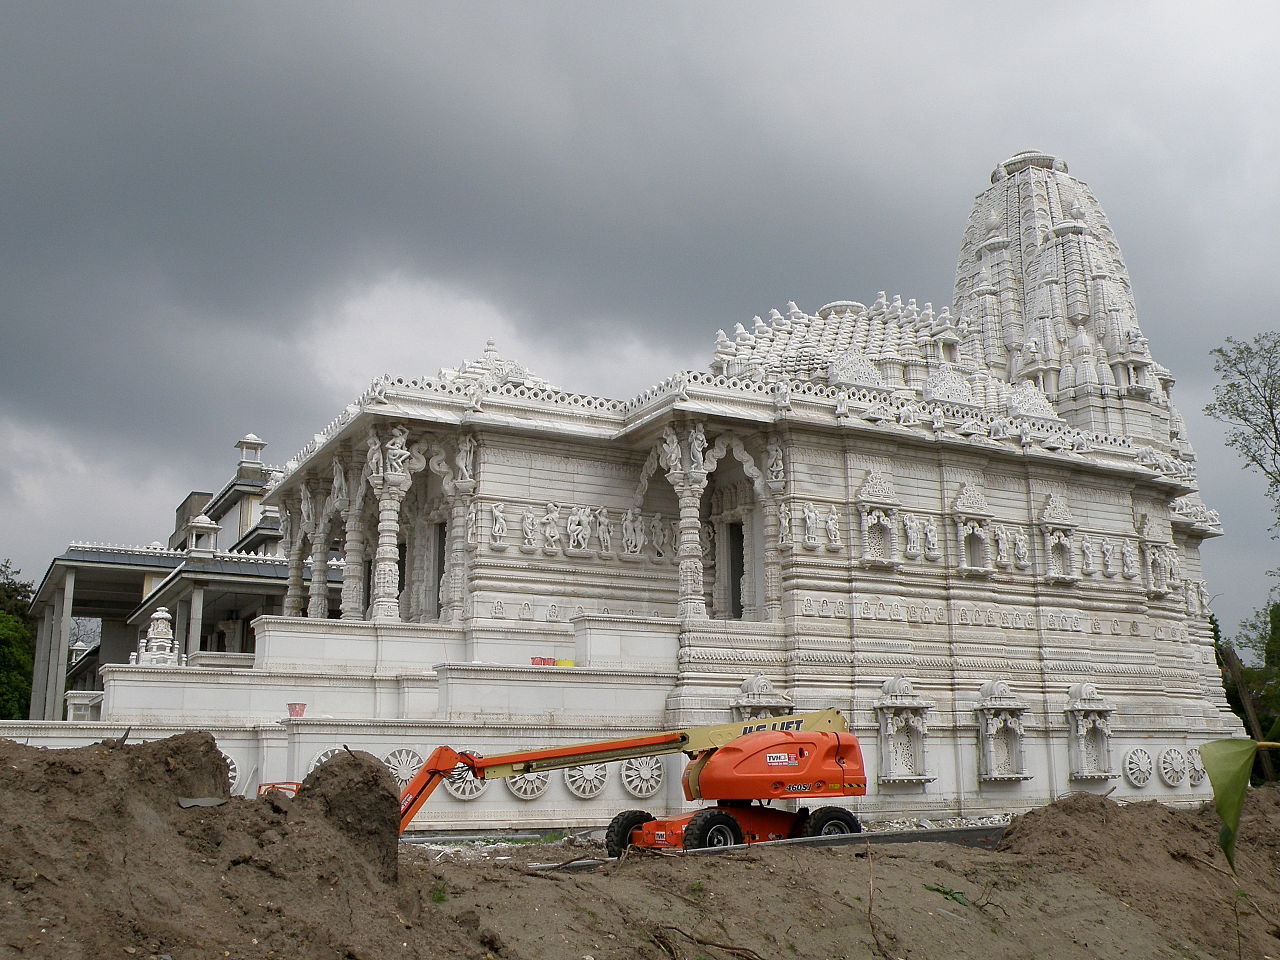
[692, 602]
[318, 601]
[453, 582]
[772, 563]
[353, 555]
[295, 591]
[390, 489]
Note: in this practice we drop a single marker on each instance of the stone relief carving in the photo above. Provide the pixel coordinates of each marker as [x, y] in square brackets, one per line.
[658, 533]
[158, 648]
[604, 529]
[1172, 766]
[550, 522]
[1004, 546]
[1129, 560]
[1138, 767]
[912, 529]
[529, 528]
[775, 464]
[465, 459]
[587, 781]
[1021, 549]
[832, 525]
[903, 733]
[642, 776]
[812, 525]
[529, 786]
[633, 535]
[931, 549]
[1108, 549]
[578, 527]
[498, 524]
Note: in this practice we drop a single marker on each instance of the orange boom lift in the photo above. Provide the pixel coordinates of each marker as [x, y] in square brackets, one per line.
[741, 766]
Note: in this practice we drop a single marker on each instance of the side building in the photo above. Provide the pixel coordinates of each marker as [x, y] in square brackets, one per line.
[975, 530]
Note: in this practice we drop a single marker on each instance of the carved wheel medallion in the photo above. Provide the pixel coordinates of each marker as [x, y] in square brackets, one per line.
[233, 772]
[404, 765]
[1173, 766]
[322, 756]
[642, 776]
[1195, 767]
[1138, 767]
[586, 781]
[463, 784]
[529, 786]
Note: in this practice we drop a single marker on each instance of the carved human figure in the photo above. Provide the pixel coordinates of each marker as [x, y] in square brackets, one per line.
[604, 529]
[784, 525]
[1002, 545]
[465, 458]
[842, 405]
[1129, 559]
[775, 465]
[633, 536]
[551, 525]
[473, 522]
[1202, 591]
[396, 451]
[306, 505]
[1024, 434]
[937, 419]
[707, 540]
[697, 447]
[658, 533]
[529, 527]
[1021, 549]
[339, 482]
[1086, 554]
[1108, 550]
[931, 539]
[671, 449]
[811, 523]
[498, 529]
[373, 457]
[578, 527]
[782, 394]
[1175, 564]
[909, 415]
[833, 526]
[911, 533]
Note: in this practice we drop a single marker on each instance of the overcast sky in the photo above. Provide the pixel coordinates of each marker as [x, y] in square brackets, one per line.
[220, 218]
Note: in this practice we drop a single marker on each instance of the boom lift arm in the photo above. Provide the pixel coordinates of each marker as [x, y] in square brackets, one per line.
[692, 741]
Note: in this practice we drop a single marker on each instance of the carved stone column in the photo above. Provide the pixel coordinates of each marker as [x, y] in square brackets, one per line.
[772, 563]
[318, 601]
[692, 602]
[390, 489]
[453, 582]
[295, 591]
[353, 555]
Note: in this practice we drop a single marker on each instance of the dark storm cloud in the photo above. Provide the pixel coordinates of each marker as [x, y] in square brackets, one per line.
[190, 188]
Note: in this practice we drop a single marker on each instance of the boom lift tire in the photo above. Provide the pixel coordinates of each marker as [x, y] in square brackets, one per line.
[711, 828]
[830, 822]
[618, 837]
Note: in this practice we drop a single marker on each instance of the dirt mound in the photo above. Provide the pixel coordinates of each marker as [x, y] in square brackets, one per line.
[99, 859]
[100, 856]
[1166, 863]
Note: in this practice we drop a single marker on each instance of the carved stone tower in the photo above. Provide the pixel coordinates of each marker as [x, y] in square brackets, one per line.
[1042, 279]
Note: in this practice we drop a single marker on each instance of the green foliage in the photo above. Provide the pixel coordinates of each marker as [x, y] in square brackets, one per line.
[1228, 764]
[1247, 400]
[15, 593]
[16, 643]
[956, 896]
[15, 668]
[439, 893]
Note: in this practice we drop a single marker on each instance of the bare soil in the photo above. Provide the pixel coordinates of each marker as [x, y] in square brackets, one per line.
[99, 860]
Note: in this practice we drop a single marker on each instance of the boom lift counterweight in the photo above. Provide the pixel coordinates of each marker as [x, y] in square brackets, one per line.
[743, 766]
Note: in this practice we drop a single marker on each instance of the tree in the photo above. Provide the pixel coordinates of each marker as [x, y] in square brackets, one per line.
[15, 668]
[16, 648]
[1247, 400]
